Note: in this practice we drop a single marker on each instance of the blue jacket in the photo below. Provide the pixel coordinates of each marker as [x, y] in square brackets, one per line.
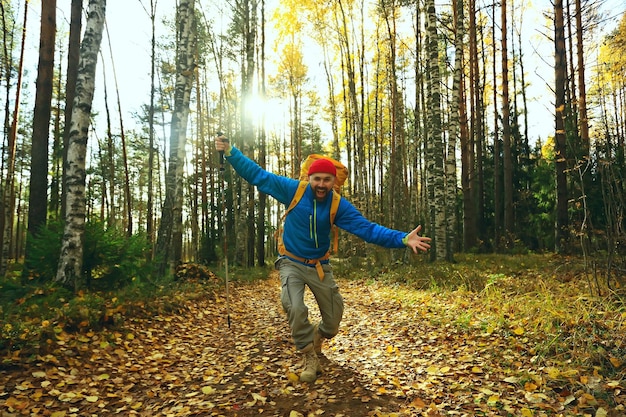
[307, 227]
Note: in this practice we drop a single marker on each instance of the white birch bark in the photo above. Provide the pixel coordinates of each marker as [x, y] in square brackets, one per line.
[454, 128]
[435, 172]
[70, 266]
[169, 241]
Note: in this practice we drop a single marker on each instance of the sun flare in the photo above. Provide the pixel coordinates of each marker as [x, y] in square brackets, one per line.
[273, 112]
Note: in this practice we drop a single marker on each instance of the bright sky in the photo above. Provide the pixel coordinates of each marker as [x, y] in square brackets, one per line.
[539, 63]
[129, 30]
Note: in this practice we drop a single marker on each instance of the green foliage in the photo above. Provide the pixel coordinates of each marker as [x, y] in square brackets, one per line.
[44, 251]
[23, 309]
[208, 253]
[110, 259]
[539, 219]
[114, 260]
[87, 310]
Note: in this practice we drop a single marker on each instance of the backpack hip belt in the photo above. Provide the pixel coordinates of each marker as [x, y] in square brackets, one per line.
[316, 262]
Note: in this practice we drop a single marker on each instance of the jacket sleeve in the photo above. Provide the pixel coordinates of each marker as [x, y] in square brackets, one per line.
[351, 220]
[281, 188]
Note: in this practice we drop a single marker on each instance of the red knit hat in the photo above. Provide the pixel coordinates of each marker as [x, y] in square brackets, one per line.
[322, 166]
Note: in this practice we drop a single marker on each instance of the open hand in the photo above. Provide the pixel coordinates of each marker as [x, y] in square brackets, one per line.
[416, 242]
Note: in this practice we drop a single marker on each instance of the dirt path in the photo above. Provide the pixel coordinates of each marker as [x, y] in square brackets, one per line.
[390, 358]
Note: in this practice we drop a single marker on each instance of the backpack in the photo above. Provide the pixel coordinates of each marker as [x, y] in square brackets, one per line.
[340, 179]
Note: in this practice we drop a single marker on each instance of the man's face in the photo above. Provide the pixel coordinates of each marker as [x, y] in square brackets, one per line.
[321, 184]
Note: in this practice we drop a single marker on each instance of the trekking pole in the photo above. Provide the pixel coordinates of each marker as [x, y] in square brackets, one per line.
[225, 239]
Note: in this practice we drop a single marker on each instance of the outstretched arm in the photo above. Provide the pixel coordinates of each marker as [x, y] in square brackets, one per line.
[279, 187]
[352, 220]
[416, 242]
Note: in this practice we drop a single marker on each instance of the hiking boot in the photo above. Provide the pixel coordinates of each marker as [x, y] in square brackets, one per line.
[317, 339]
[311, 364]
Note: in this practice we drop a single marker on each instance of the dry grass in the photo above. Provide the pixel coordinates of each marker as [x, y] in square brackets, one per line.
[567, 315]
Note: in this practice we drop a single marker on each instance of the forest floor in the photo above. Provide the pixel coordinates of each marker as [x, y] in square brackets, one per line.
[400, 352]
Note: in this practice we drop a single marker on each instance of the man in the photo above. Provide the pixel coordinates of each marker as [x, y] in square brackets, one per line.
[306, 240]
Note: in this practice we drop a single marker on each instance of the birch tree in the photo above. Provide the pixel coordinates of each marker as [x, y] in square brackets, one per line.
[70, 266]
[456, 119]
[169, 240]
[434, 145]
[73, 57]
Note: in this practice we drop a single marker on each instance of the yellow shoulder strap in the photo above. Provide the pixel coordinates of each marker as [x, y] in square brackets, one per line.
[294, 202]
[297, 196]
[334, 206]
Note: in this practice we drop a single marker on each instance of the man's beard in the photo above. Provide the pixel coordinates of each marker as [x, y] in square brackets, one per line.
[321, 193]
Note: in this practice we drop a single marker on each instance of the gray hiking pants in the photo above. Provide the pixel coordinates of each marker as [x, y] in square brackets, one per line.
[293, 278]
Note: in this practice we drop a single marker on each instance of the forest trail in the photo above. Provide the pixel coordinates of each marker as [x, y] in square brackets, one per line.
[398, 353]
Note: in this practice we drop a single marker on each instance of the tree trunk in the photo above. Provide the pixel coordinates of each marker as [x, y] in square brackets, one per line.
[109, 165]
[507, 154]
[436, 179]
[398, 190]
[71, 260]
[7, 192]
[454, 129]
[260, 226]
[582, 96]
[56, 168]
[351, 100]
[169, 241]
[247, 129]
[524, 94]
[151, 151]
[561, 233]
[126, 182]
[497, 149]
[480, 140]
[37, 201]
[421, 127]
[468, 149]
[73, 56]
